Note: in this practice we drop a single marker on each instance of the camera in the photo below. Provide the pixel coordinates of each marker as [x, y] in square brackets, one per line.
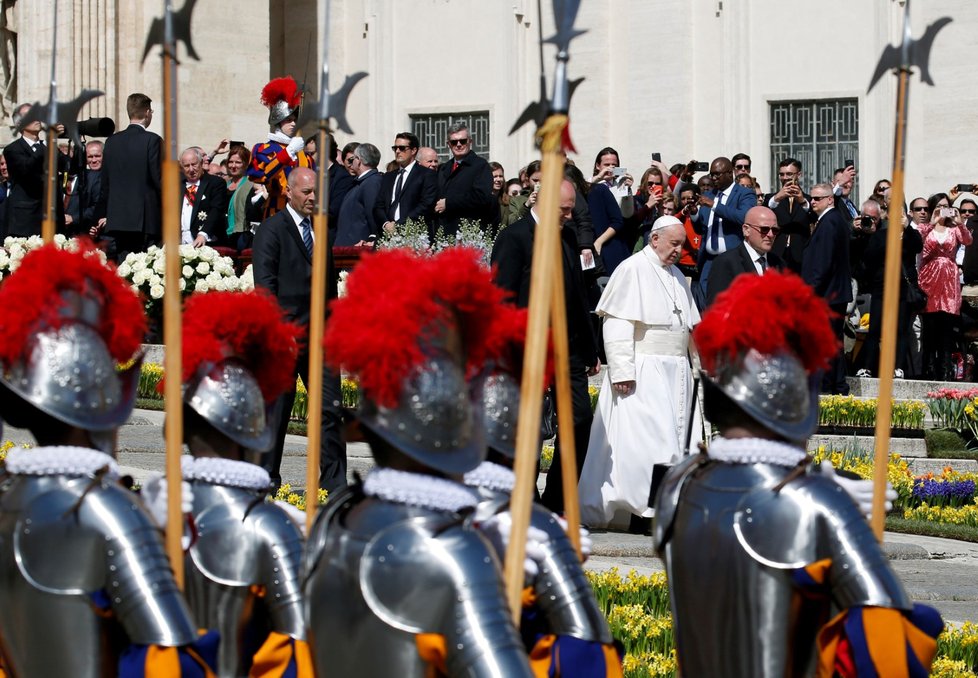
[965, 188]
[865, 222]
[618, 171]
[947, 212]
[701, 167]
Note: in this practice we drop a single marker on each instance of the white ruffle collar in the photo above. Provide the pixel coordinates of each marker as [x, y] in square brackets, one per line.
[755, 451]
[416, 489]
[492, 477]
[60, 460]
[227, 472]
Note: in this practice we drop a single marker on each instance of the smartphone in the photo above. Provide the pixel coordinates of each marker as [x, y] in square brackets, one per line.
[965, 188]
[618, 171]
[657, 190]
[947, 212]
[236, 143]
[657, 157]
[701, 167]
[850, 163]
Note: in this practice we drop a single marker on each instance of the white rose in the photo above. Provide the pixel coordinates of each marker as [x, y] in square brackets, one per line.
[155, 280]
[221, 285]
[159, 265]
[212, 278]
[202, 286]
[140, 277]
[60, 240]
[188, 252]
[156, 291]
[131, 257]
[34, 242]
[187, 271]
[183, 284]
[138, 265]
[208, 253]
[152, 249]
[203, 268]
[224, 268]
[124, 270]
[233, 284]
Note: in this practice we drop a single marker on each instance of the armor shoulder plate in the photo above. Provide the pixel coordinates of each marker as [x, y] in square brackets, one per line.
[226, 547]
[281, 565]
[406, 566]
[668, 499]
[339, 502]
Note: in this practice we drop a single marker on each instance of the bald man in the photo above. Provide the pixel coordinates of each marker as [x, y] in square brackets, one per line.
[282, 260]
[512, 256]
[753, 256]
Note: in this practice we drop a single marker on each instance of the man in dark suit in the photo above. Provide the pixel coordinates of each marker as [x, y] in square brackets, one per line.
[512, 256]
[753, 256]
[720, 216]
[357, 225]
[340, 184]
[842, 182]
[790, 205]
[85, 190]
[130, 200]
[282, 260]
[204, 203]
[25, 158]
[825, 266]
[408, 193]
[464, 186]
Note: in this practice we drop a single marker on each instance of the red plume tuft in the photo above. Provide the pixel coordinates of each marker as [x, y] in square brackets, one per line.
[507, 341]
[394, 300]
[772, 312]
[32, 299]
[249, 326]
[281, 89]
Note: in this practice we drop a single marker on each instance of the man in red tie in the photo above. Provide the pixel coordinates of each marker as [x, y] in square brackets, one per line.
[464, 186]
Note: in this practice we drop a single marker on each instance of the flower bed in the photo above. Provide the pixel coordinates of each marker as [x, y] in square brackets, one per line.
[852, 411]
[413, 235]
[953, 407]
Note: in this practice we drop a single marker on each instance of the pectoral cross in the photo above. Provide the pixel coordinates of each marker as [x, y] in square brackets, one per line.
[678, 312]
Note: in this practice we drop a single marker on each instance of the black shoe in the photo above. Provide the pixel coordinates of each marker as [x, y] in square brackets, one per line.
[640, 525]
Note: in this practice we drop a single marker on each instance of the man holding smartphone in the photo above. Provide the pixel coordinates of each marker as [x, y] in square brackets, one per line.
[790, 206]
[842, 181]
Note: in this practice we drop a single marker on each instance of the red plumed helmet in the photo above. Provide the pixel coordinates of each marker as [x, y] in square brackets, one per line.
[282, 97]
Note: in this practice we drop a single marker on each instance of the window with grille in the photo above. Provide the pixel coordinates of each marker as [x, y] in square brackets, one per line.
[432, 130]
[821, 134]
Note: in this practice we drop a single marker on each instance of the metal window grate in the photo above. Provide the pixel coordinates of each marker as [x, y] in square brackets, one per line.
[432, 130]
[821, 134]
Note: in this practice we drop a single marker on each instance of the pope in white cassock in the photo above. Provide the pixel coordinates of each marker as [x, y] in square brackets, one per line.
[645, 400]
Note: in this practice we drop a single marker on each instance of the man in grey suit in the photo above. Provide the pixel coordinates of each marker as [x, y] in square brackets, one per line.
[282, 260]
[357, 224]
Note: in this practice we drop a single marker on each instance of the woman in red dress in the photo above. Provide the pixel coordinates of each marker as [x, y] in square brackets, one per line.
[940, 280]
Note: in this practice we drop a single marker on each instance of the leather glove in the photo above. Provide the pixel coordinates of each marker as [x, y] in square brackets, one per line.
[155, 497]
[861, 491]
[586, 542]
[296, 145]
[297, 515]
[497, 530]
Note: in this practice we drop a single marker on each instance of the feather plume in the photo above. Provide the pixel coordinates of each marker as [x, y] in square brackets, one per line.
[769, 313]
[507, 341]
[281, 89]
[249, 326]
[395, 301]
[33, 300]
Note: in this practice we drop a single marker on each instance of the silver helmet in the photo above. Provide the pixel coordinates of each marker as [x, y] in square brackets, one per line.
[773, 389]
[436, 422]
[279, 111]
[227, 396]
[68, 373]
[500, 412]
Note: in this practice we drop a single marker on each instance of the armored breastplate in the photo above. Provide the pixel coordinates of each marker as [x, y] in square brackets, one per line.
[243, 572]
[68, 547]
[380, 574]
[731, 549]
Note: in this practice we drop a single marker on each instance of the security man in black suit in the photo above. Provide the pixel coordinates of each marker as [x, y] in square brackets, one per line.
[791, 207]
[825, 266]
[130, 204]
[408, 193]
[754, 256]
[282, 260]
[464, 186]
[512, 258]
[203, 204]
[25, 158]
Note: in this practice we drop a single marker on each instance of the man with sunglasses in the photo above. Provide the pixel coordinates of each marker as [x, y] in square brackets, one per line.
[408, 193]
[464, 186]
[752, 257]
[741, 165]
[825, 266]
[790, 205]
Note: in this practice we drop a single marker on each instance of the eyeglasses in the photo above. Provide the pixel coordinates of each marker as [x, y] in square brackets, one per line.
[787, 174]
[401, 148]
[919, 208]
[458, 142]
[765, 230]
[820, 197]
[743, 167]
[964, 211]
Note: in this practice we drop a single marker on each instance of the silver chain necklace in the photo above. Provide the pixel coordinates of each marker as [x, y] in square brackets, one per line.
[678, 312]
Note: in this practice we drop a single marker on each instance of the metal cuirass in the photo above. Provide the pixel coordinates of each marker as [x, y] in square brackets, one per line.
[85, 569]
[380, 573]
[730, 544]
[563, 593]
[243, 572]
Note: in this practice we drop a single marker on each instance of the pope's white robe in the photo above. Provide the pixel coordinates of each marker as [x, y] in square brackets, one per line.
[646, 341]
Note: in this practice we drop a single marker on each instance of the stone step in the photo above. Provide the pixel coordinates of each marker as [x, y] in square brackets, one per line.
[936, 466]
[903, 389]
[905, 447]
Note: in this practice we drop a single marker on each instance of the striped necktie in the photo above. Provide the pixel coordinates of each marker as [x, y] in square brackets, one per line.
[306, 227]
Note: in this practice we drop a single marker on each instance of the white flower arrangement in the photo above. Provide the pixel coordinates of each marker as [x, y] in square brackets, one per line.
[247, 279]
[414, 235]
[16, 248]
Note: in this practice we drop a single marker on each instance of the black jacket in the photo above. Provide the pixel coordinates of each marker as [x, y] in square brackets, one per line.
[731, 264]
[796, 226]
[418, 194]
[468, 194]
[131, 171]
[25, 200]
[825, 265]
[210, 210]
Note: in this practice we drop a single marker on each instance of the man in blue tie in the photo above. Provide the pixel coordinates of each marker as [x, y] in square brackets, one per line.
[842, 180]
[721, 218]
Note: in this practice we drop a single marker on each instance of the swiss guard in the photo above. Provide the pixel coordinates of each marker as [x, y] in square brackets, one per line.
[273, 160]
[398, 581]
[759, 547]
[87, 589]
[243, 564]
[565, 631]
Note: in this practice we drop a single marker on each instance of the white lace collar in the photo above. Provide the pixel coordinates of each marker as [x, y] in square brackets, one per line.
[755, 451]
[61, 460]
[492, 477]
[227, 472]
[416, 489]
[279, 136]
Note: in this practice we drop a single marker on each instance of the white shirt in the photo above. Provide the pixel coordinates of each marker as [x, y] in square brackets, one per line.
[404, 177]
[755, 258]
[721, 199]
[297, 219]
[186, 238]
